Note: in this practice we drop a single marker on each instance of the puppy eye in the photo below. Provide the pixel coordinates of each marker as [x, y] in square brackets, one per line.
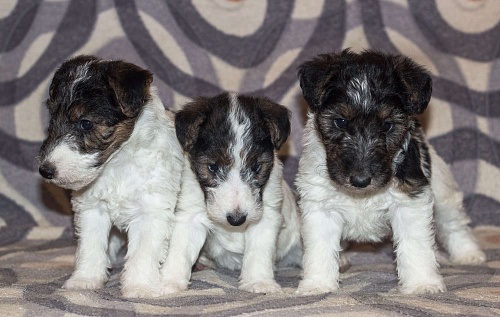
[386, 127]
[86, 125]
[340, 123]
[255, 168]
[213, 168]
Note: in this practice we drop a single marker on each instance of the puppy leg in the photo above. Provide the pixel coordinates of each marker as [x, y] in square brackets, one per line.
[344, 262]
[204, 262]
[91, 260]
[454, 234]
[116, 241]
[289, 248]
[188, 238]
[451, 220]
[147, 239]
[257, 275]
[414, 244]
[321, 233]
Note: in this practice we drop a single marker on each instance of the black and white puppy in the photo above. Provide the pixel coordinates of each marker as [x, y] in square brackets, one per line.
[234, 202]
[111, 141]
[365, 172]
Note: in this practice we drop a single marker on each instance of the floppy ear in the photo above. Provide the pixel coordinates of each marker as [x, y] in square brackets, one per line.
[188, 122]
[414, 85]
[318, 77]
[277, 118]
[131, 85]
[313, 77]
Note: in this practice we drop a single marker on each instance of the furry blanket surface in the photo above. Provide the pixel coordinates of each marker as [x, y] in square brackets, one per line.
[203, 47]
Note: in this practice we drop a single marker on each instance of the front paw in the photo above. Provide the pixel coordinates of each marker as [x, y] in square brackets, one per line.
[474, 257]
[172, 286]
[427, 288]
[313, 287]
[266, 287]
[80, 283]
[140, 291]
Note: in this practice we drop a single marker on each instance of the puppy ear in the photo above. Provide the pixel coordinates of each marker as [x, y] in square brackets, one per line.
[415, 85]
[318, 77]
[188, 122]
[277, 118]
[131, 85]
[313, 77]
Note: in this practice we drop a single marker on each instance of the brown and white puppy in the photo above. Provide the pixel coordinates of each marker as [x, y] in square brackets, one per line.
[365, 172]
[111, 141]
[234, 202]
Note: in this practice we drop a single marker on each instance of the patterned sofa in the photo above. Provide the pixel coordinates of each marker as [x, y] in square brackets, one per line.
[202, 47]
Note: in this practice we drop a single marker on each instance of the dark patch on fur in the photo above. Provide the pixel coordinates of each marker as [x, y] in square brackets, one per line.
[204, 131]
[327, 75]
[368, 92]
[413, 173]
[275, 117]
[110, 95]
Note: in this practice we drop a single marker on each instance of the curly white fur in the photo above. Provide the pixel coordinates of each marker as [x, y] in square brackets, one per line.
[251, 249]
[329, 215]
[136, 191]
[270, 232]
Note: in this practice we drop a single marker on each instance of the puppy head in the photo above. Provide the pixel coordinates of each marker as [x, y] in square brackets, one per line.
[364, 107]
[93, 107]
[230, 140]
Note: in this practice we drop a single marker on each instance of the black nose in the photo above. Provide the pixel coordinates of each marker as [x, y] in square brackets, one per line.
[47, 170]
[360, 181]
[236, 220]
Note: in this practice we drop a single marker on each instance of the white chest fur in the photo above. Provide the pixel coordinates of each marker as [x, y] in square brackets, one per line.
[365, 219]
[142, 175]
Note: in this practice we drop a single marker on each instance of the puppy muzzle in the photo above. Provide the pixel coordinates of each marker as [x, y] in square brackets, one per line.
[360, 181]
[236, 218]
[47, 170]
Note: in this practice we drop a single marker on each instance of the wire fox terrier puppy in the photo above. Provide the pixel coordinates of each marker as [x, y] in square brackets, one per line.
[365, 173]
[111, 141]
[234, 202]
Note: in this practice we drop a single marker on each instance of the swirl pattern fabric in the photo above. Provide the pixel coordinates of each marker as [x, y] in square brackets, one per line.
[202, 47]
